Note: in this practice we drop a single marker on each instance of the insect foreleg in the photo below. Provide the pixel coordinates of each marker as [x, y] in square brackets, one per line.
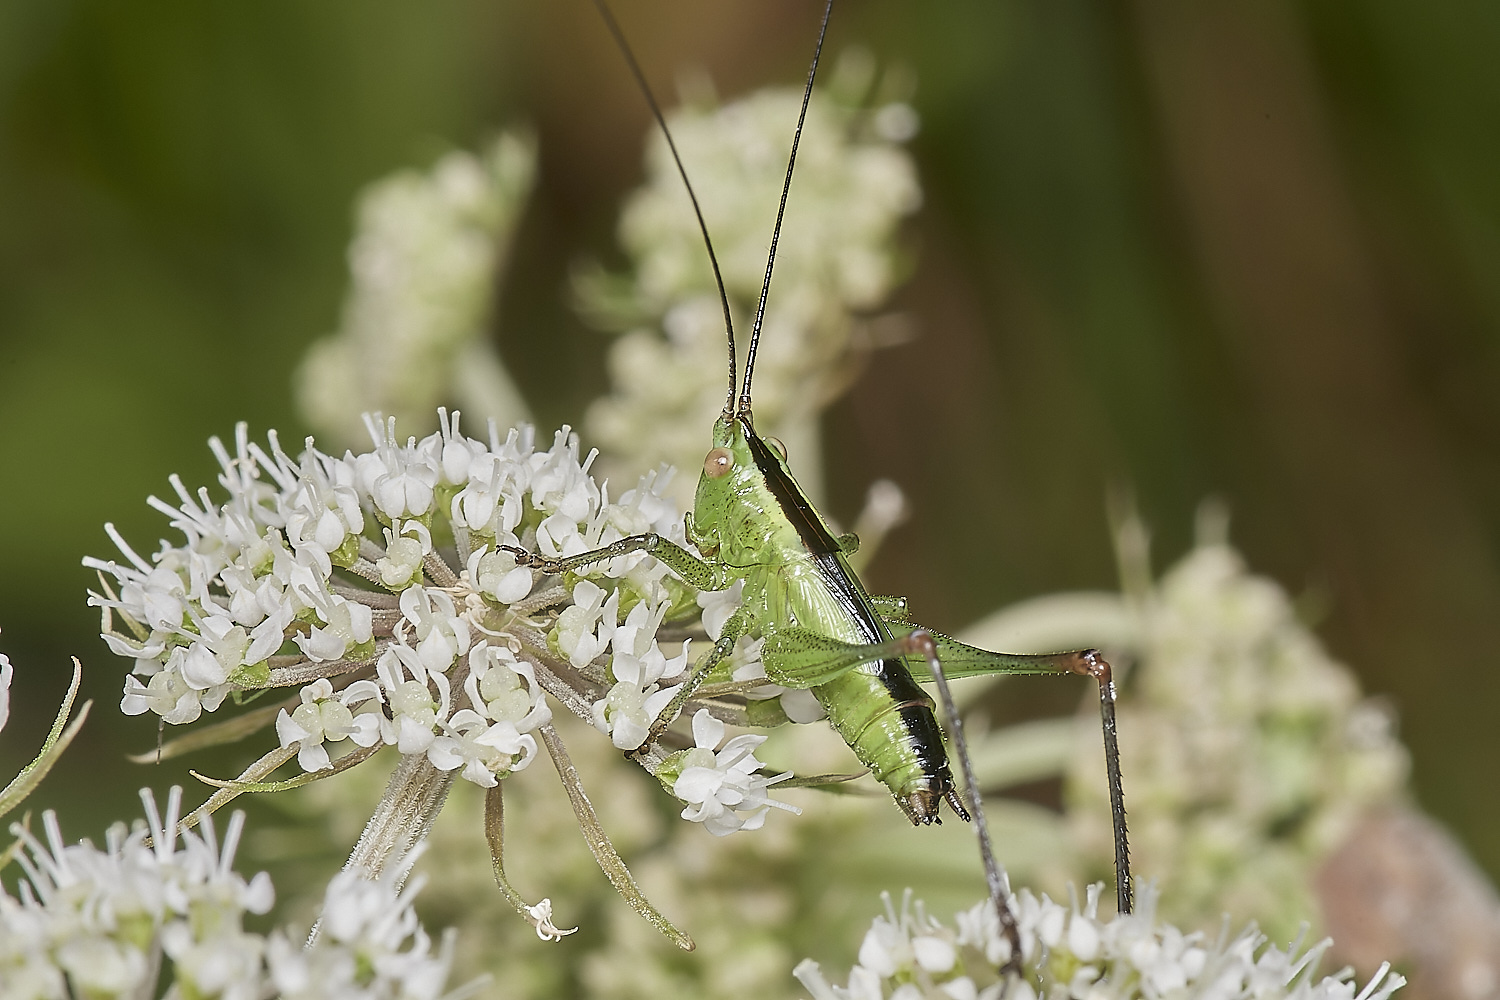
[696, 572]
[734, 628]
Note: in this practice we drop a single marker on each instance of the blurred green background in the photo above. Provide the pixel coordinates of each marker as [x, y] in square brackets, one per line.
[1184, 248]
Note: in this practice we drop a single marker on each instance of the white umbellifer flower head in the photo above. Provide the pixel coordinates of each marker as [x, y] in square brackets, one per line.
[395, 590]
[723, 790]
[422, 269]
[97, 922]
[327, 571]
[100, 923]
[1068, 951]
[837, 259]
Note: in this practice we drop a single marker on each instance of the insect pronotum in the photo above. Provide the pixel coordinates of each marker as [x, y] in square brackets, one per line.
[823, 631]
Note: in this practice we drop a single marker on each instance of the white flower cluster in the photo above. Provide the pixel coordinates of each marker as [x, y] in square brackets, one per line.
[1068, 953]
[719, 785]
[423, 265]
[333, 575]
[369, 945]
[261, 580]
[836, 258]
[98, 923]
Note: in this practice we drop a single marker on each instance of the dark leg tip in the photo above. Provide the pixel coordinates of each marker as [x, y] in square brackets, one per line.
[957, 802]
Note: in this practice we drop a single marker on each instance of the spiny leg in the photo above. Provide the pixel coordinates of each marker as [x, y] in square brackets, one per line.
[734, 628]
[690, 568]
[921, 643]
[1088, 663]
[961, 660]
[1095, 666]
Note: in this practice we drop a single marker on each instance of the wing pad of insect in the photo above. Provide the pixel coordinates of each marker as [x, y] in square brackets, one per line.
[696, 572]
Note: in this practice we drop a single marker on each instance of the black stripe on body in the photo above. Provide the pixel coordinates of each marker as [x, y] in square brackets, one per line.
[925, 739]
[794, 505]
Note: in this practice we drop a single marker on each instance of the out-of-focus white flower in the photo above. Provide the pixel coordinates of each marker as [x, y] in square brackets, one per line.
[422, 266]
[105, 923]
[1067, 951]
[370, 944]
[723, 790]
[1251, 752]
[99, 921]
[6, 672]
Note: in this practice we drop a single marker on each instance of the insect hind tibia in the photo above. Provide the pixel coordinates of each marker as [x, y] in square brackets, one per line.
[1098, 668]
[922, 644]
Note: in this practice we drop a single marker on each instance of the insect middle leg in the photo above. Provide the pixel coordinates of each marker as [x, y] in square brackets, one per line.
[696, 572]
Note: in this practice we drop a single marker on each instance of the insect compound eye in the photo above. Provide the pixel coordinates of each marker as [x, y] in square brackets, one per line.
[775, 445]
[718, 462]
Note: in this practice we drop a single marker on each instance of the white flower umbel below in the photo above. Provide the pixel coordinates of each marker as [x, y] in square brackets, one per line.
[1069, 952]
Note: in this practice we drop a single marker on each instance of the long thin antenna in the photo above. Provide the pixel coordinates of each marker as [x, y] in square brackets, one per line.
[786, 187]
[640, 79]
